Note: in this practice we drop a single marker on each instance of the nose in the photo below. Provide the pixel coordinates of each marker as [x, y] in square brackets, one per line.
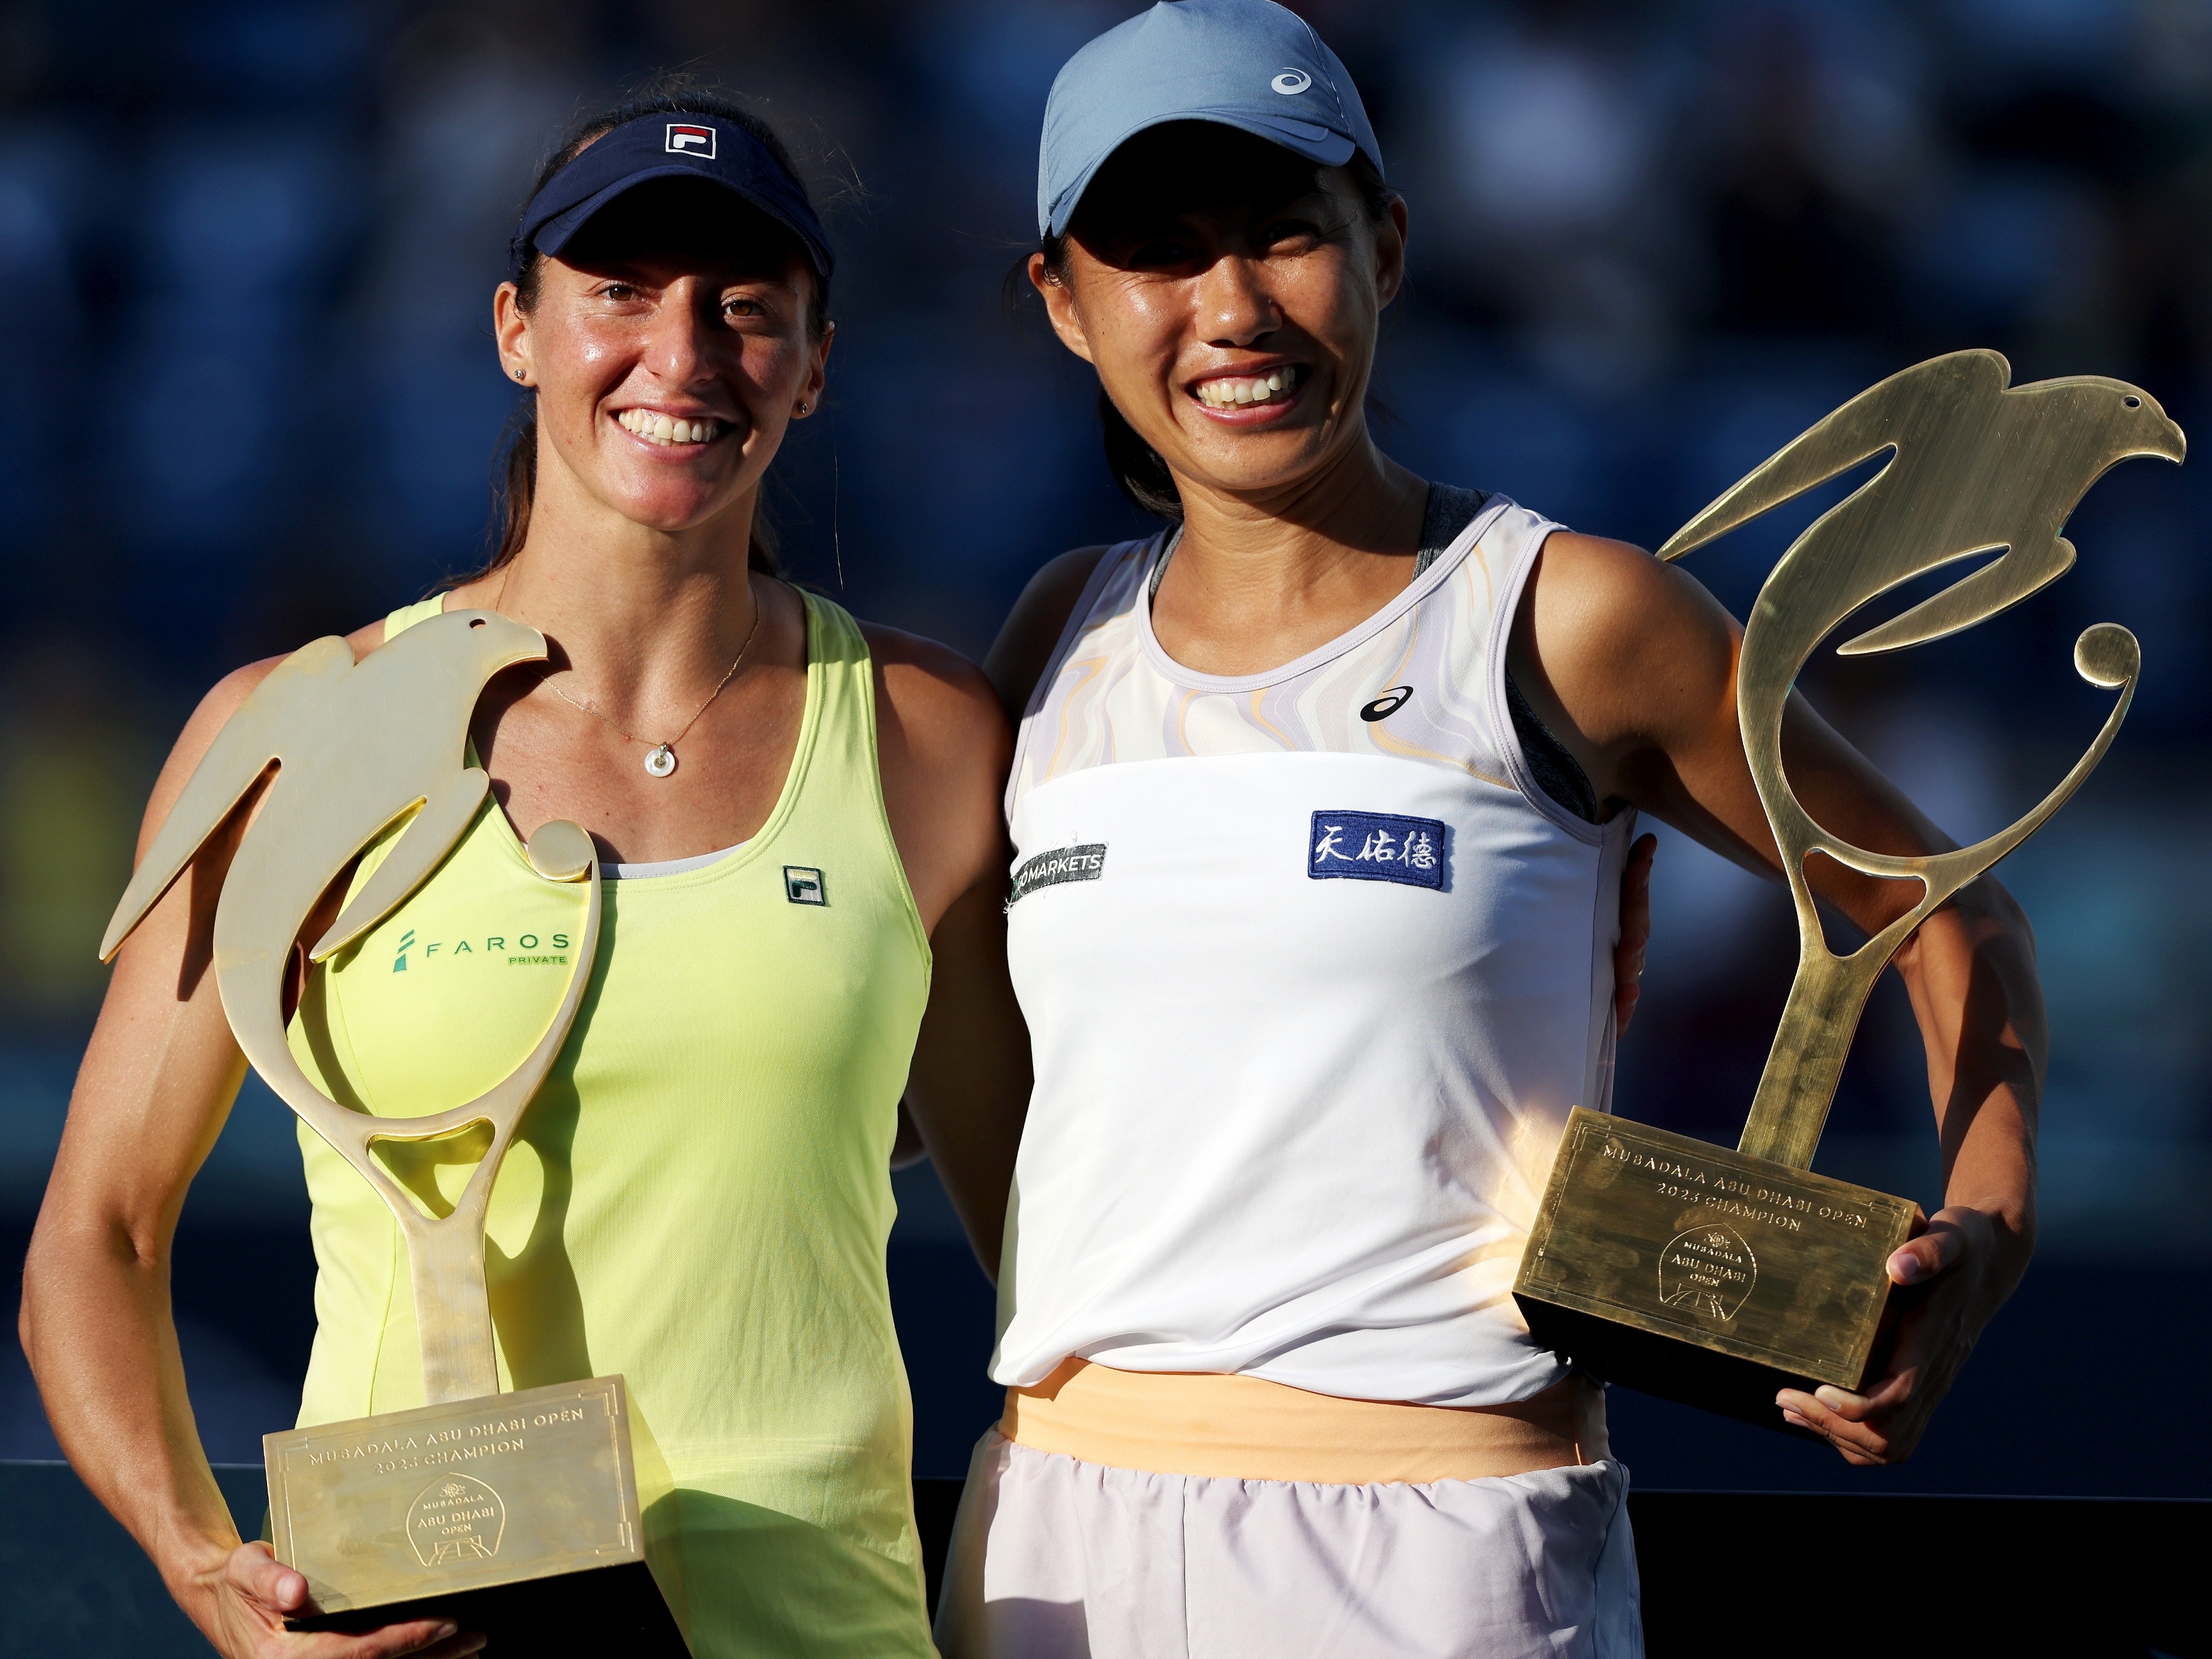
[1234, 305]
[676, 345]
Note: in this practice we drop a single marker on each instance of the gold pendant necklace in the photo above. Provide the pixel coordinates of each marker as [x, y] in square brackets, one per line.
[660, 757]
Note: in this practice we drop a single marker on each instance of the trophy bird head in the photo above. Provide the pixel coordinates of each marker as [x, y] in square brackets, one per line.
[2127, 419]
[500, 642]
[2151, 431]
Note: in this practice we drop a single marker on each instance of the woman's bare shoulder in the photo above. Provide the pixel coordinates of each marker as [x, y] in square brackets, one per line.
[942, 750]
[1613, 602]
[937, 695]
[1033, 626]
[1626, 649]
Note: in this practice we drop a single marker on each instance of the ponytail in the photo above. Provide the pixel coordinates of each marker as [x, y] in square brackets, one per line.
[1136, 466]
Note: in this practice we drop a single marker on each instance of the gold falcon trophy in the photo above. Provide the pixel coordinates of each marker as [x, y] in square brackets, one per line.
[537, 1517]
[1716, 1278]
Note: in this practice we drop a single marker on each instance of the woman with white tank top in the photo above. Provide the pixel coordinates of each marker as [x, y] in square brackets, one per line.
[1320, 805]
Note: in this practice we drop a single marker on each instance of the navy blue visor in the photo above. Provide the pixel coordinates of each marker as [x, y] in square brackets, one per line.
[662, 146]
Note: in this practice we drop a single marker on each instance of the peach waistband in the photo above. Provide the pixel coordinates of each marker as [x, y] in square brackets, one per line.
[1220, 1427]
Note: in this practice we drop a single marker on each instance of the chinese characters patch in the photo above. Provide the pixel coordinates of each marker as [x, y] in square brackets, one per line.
[1376, 846]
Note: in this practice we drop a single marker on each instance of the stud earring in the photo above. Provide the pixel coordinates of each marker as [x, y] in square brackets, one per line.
[805, 408]
[517, 374]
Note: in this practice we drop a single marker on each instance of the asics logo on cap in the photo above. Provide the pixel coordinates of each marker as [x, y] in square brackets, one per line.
[1291, 82]
[685, 139]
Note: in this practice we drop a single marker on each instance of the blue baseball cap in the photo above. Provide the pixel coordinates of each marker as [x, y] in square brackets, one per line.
[1247, 64]
[670, 145]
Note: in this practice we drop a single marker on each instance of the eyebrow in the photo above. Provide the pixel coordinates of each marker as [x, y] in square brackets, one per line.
[642, 270]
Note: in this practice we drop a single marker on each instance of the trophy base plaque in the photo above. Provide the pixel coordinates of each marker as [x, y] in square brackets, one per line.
[606, 1610]
[539, 1517]
[1702, 1274]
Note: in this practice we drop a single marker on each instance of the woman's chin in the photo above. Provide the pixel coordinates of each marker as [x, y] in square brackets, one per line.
[1256, 461]
[672, 506]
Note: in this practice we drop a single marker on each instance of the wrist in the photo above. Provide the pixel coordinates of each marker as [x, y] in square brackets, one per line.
[2002, 1227]
[196, 1577]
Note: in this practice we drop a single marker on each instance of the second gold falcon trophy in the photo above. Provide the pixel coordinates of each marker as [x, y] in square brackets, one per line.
[1717, 1277]
[541, 1517]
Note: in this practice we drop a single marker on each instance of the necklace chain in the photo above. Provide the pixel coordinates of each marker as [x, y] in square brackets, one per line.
[669, 746]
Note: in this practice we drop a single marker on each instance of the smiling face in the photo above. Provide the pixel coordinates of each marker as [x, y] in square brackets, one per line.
[670, 343]
[1228, 292]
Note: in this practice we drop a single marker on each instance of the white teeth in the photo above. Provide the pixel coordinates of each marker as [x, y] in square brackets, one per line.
[666, 430]
[1227, 393]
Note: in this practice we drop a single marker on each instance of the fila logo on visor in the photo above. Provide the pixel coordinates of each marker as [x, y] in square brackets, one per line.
[685, 140]
[1376, 846]
[1290, 82]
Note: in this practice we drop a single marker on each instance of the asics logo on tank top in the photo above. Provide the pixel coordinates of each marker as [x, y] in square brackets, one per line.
[1386, 705]
[1377, 847]
[1290, 82]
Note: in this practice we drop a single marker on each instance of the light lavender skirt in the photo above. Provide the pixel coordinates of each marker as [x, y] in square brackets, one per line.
[1053, 1558]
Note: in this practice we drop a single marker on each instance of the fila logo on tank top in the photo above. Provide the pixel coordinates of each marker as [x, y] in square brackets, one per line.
[1313, 970]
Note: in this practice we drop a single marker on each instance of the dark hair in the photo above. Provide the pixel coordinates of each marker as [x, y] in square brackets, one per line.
[1138, 467]
[514, 463]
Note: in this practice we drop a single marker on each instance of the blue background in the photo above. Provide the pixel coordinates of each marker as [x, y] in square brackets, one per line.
[247, 396]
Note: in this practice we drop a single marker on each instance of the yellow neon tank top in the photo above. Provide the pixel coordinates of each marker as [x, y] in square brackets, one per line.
[699, 1197]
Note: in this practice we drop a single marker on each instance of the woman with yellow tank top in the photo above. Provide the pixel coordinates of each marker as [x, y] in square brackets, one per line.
[797, 818]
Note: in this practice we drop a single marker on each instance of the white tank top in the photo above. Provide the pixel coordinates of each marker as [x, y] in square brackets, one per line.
[1313, 971]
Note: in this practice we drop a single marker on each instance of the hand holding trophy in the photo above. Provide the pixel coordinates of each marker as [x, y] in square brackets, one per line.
[518, 1513]
[1715, 1278]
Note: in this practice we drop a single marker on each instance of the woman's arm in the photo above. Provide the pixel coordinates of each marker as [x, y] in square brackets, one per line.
[157, 1082]
[1633, 663]
[944, 747]
[969, 1087]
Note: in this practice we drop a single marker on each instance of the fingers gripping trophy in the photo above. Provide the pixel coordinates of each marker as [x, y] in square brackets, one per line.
[538, 1510]
[1713, 1277]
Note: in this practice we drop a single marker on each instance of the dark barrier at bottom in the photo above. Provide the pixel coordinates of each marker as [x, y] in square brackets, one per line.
[1724, 1573]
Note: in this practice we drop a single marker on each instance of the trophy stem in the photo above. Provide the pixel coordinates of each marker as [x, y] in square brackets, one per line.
[1829, 992]
[1803, 1066]
[453, 1306]
[444, 1256]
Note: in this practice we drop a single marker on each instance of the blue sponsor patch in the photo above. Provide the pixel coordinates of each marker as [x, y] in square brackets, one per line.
[1376, 846]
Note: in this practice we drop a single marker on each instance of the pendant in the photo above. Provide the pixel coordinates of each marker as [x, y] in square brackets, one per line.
[660, 760]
